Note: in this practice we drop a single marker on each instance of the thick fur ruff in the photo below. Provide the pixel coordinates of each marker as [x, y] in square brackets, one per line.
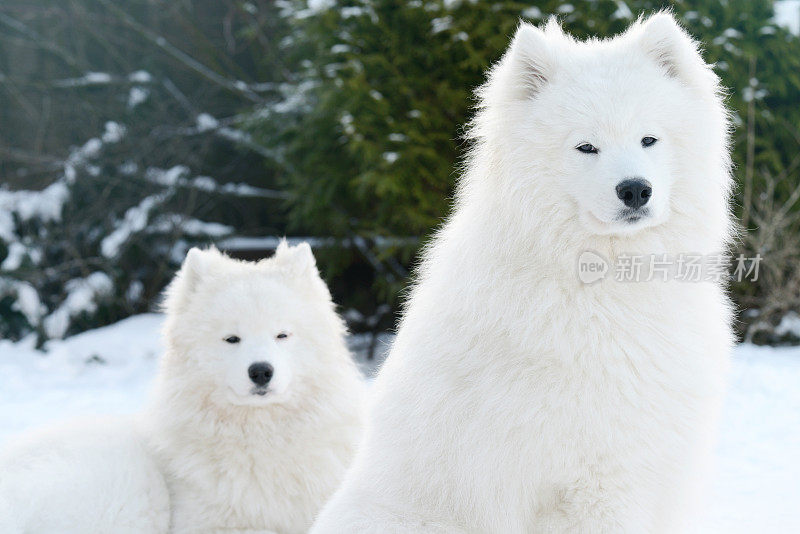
[212, 452]
[516, 398]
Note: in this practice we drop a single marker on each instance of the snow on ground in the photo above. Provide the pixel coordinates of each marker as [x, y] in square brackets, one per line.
[103, 371]
[757, 488]
[108, 371]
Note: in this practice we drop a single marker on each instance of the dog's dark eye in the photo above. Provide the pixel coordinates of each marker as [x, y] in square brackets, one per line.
[232, 339]
[587, 148]
[648, 141]
[282, 335]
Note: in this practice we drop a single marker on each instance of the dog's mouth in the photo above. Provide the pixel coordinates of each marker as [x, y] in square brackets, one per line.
[255, 396]
[255, 391]
[625, 221]
[632, 216]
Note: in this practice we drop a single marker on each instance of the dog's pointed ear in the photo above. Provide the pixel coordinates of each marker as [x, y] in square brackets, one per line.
[529, 62]
[197, 265]
[297, 260]
[663, 39]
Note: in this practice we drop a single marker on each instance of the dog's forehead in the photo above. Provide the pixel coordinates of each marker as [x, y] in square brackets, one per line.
[606, 67]
[623, 80]
[604, 97]
[262, 292]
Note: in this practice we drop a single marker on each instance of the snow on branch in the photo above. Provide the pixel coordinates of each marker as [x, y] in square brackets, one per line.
[134, 220]
[177, 176]
[26, 299]
[188, 226]
[82, 294]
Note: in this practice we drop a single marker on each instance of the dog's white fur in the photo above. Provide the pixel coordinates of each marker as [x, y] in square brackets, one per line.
[517, 399]
[88, 476]
[209, 454]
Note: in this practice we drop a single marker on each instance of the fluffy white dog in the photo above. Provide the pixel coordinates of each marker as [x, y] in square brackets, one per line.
[253, 422]
[517, 398]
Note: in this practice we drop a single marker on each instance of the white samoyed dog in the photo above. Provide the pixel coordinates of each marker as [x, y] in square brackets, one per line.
[254, 418]
[518, 398]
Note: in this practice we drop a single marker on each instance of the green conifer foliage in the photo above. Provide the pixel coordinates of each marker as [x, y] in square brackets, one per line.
[388, 86]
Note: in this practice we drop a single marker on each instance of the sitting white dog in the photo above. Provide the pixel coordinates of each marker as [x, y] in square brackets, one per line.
[253, 421]
[518, 398]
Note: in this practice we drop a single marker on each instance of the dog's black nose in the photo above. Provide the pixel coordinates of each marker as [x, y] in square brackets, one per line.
[260, 373]
[634, 192]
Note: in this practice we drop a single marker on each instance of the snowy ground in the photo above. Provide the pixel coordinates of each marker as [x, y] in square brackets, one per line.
[107, 371]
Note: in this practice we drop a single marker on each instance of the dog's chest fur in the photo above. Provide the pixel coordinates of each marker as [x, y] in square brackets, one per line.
[621, 395]
[245, 476]
[601, 396]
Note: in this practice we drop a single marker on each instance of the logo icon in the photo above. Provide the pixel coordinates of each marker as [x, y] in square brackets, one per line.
[591, 267]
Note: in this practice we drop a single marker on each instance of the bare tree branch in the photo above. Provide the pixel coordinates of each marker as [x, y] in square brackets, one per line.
[231, 85]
